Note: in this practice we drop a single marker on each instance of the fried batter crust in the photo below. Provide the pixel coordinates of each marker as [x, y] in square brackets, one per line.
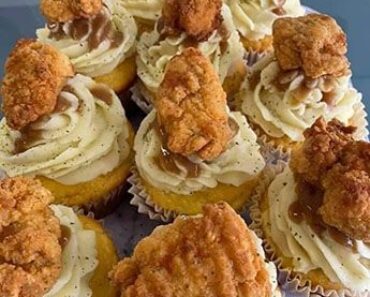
[347, 192]
[191, 107]
[213, 255]
[314, 43]
[198, 18]
[34, 75]
[30, 253]
[320, 150]
[67, 10]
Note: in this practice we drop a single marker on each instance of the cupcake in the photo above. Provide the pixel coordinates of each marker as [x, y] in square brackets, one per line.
[204, 24]
[97, 35]
[214, 254]
[315, 214]
[254, 19]
[145, 12]
[191, 150]
[47, 250]
[307, 77]
[68, 131]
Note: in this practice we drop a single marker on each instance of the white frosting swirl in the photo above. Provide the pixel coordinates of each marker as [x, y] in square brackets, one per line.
[254, 18]
[241, 161]
[288, 113]
[79, 257]
[308, 250]
[144, 9]
[103, 59]
[153, 54]
[87, 139]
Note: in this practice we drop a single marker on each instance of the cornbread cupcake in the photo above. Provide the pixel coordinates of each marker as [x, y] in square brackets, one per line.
[145, 12]
[307, 77]
[97, 35]
[191, 150]
[204, 24]
[315, 214]
[214, 254]
[254, 19]
[47, 250]
[68, 131]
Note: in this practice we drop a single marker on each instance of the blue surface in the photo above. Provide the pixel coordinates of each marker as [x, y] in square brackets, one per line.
[17, 21]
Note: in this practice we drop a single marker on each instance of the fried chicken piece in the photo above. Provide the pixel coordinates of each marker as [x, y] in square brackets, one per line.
[314, 43]
[30, 252]
[21, 196]
[213, 255]
[320, 150]
[198, 18]
[346, 203]
[62, 11]
[191, 107]
[347, 192]
[34, 76]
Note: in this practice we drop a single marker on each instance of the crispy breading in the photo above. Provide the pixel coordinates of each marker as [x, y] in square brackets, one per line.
[210, 255]
[67, 10]
[320, 150]
[191, 106]
[198, 18]
[314, 43]
[21, 196]
[34, 75]
[347, 192]
[30, 252]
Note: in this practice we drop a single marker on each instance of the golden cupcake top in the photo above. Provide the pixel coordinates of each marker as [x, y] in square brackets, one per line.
[313, 43]
[214, 252]
[30, 239]
[68, 10]
[191, 106]
[333, 178]
[198, 18]
[35, 73]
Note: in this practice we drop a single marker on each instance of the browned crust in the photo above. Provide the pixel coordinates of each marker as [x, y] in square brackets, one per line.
[34, 75]
[314, 43]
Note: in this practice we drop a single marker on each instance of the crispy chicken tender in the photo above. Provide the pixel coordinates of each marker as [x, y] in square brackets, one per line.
[347, 192]
[67, 10]
[320, 150]
[198, 18]
[34, 75]
[19, 197]
[213, 255]
[191, 107]
[30, 252]
[314, 43]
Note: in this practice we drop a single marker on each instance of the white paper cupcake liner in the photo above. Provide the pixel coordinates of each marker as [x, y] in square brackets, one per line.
[359, 120]
[290, 282]
[143, 202]
[141, 97]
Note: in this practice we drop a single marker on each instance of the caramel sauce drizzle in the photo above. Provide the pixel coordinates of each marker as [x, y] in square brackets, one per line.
[103, 93]
[101, 29]
[284, 78]
[65, 236]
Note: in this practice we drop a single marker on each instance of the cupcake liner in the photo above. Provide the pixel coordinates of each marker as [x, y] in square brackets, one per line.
[291, 282]
[142, 201]
[141, 97]
[105, 206]
[359, 120]
[251, 57]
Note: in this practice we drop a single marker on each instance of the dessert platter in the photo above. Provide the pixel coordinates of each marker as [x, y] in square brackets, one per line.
[176, 148]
